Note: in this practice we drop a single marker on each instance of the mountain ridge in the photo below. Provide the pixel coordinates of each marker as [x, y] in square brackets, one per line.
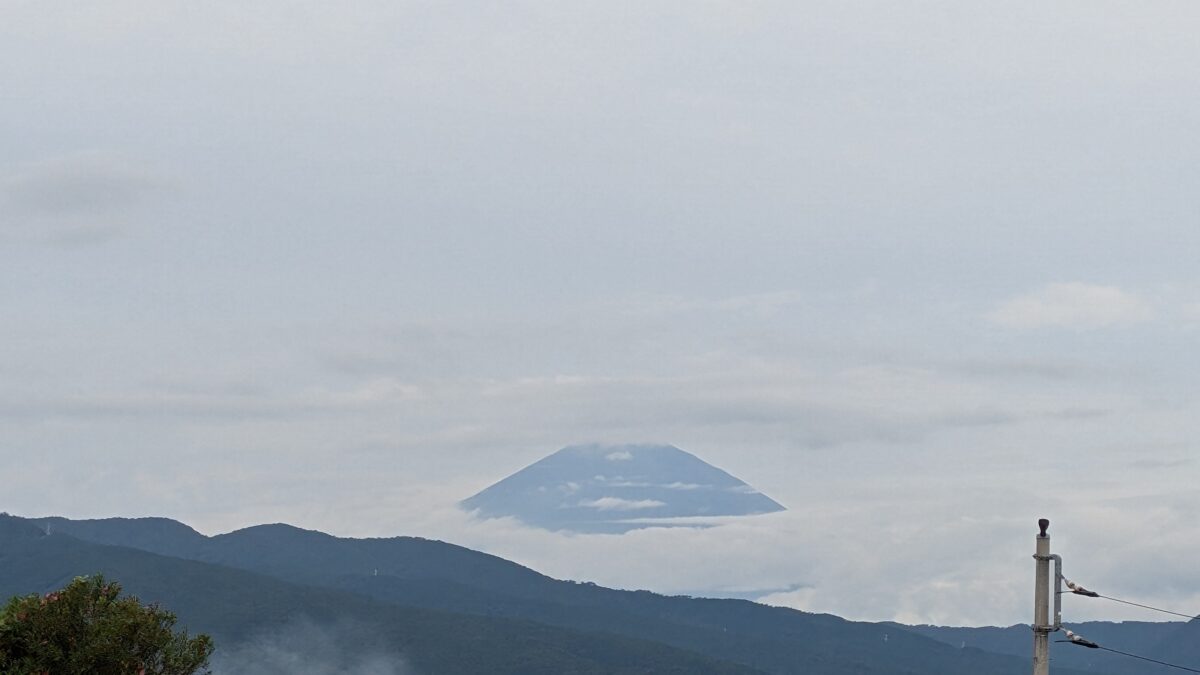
[425, 574]
[236, 606]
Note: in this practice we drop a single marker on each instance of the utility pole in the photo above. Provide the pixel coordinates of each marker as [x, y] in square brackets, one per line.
[1041, 603]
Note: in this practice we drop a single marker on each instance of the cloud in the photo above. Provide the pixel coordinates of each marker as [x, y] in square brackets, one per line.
[753, 303]
[618, 504]
[785, 208]
[1060, 369]
[76, 199]
[677, 485]
[1154, 464]
[619, 456]
[1072, 305]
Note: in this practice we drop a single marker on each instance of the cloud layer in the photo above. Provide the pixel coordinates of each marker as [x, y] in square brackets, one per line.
[1072, 305]
[82, 198]
[923, 274]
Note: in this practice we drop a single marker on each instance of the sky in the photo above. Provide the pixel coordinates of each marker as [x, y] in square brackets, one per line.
[922, 272]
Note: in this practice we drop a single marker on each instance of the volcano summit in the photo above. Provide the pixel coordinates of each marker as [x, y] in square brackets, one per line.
[617, 488]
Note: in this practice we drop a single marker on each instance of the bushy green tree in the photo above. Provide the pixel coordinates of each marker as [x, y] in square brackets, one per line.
[88, 629]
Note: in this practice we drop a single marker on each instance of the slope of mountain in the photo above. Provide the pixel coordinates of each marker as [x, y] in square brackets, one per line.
[147, 534]
[435, 575]
[1181, 647]
[598, 488]
[236, 606]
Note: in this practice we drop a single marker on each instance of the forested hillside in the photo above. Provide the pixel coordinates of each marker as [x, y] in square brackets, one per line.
[236, 583]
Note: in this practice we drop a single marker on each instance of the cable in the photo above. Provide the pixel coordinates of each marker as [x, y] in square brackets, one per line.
[1144, 658]
[1080, 641]
[1138, 604]
[1076, 589]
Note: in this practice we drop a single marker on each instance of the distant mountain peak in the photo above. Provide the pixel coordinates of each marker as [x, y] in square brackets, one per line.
[616, 488]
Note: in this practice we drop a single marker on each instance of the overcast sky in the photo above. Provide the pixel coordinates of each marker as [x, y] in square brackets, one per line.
[922, 272]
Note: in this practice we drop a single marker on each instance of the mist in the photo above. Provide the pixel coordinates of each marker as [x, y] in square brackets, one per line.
[303, 647]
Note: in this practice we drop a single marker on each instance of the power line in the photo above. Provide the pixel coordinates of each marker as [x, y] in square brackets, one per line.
[1138, 604]
[1133, 656]
[1145, 658]
[1076, 589]
[1042, 627]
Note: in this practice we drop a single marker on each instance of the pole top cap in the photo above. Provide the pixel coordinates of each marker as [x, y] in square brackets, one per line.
[1043, 523]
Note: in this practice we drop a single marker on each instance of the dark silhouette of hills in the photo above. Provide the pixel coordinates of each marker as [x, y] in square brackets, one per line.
[405, 574]
[1171, 641]
[236, 605]
[616, 488]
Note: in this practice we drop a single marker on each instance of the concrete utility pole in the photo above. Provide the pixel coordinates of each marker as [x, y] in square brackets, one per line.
[1041, 603]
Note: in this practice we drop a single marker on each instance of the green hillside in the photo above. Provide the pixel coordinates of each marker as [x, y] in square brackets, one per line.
[235, 606]
[438, 576]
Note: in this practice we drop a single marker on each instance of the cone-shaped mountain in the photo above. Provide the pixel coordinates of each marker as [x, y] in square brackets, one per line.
[616, 488]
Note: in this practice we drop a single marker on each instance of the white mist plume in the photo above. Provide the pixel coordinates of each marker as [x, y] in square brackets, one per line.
[305, 648]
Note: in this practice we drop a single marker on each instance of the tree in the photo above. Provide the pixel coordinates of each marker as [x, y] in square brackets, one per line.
[88, 629]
